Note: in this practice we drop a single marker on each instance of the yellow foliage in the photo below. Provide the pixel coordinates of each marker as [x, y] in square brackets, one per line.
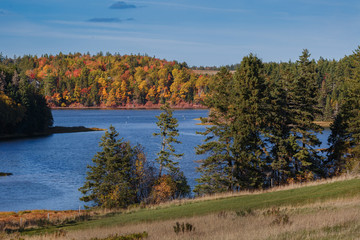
[163, 190]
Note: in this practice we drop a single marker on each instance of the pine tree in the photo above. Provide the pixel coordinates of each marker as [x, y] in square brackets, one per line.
[303, 102]
[344, 151]
[168, 133]
[277, 133]
[247, 112]
[111, 181]
[234, 144]
[217, 169]
[339, 146]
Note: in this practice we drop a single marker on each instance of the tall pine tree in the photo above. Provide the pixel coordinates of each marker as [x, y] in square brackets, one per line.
[303, 102]
[168, 133]
[217, 169]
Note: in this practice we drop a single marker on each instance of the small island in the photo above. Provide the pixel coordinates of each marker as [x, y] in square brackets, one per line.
[4, 174]
[49, 131]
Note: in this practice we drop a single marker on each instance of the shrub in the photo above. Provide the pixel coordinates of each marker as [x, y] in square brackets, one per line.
[133, 236]
[183, 227]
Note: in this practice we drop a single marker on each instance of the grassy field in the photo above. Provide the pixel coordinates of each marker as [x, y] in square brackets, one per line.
[326, 210]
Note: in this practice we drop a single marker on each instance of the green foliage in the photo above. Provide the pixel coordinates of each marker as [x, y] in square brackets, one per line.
[303, 109]
[234, 143]
[344, 151]
[119, 175]
[263, 131]
[174, 184]
[217, 169]
[23, 110]
[168, 133]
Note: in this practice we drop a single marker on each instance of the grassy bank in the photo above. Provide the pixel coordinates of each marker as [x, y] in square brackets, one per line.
[217, 209]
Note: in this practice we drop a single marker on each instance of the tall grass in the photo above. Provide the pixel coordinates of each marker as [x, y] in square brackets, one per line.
[330, 219]
[295, 195]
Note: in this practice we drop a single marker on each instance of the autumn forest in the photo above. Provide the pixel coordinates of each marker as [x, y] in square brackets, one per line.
[258, 106]
[82, 80]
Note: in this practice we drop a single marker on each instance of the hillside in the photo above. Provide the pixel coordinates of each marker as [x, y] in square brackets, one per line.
[326, 210]
[138, 81]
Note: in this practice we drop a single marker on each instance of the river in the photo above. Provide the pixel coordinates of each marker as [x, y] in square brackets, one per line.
[47, 171]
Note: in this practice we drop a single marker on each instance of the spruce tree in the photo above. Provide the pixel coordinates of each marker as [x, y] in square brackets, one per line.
[278, 127]
[247, 111]
[344, 150]
[236, 149]
[217, 168]
[303, 102]
[110, 180]
[168, 133]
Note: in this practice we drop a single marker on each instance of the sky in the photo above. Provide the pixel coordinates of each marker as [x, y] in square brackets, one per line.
[199, 32]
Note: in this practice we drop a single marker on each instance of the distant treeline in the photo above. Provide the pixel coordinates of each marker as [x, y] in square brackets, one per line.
[332, 79]
[111, 80]
[128, 80]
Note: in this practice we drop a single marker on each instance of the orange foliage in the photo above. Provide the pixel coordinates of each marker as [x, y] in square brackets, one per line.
[163, 190]
[134, 79]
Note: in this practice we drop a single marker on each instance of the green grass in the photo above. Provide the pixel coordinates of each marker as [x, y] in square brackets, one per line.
[293, 197]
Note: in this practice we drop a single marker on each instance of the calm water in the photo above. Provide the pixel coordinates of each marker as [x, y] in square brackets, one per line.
[49, 170]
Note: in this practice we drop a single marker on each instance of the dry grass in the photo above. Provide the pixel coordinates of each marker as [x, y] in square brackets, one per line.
[321, 218]
[35, 218]
[336, 219]
[324, 124]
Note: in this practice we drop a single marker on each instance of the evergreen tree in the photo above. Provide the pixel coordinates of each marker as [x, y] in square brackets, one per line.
[303, 102]
[339, 146]
[113, 180]
[344, 150]
[234, 144]
[217, 169]
[278, 128]
[168, 133]
[247, 112]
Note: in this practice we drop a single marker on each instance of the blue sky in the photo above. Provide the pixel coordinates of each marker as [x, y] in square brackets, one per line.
[198, 32]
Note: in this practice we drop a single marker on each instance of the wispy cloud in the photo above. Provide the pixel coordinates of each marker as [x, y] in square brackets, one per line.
[110, 20]
[104, 20]
[196, 7]
[122, 5]
[98, 35]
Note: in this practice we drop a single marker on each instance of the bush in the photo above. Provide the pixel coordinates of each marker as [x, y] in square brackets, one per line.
[134, 236]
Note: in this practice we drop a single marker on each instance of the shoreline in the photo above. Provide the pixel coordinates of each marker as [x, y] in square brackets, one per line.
[324, 124]
[134, 106]
[50, 131]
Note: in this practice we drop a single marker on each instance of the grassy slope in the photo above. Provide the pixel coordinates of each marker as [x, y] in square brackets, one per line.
[292, 197]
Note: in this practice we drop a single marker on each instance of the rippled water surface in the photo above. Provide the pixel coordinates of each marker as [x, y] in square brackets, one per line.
[49, 170]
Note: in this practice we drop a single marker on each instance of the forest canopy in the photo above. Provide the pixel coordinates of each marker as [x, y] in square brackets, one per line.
[23, 108]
